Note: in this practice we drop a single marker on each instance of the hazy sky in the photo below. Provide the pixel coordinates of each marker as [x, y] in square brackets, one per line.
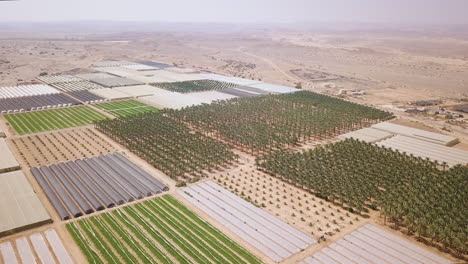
[415, 11]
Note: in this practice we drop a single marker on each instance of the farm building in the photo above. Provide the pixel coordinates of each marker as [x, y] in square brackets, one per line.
[51, 79]
[115, 81]
[166, 99]
[372, 245]
[140, 67]
[137, 90]
[156, 64]
[211, 96]
[7, 161]
[45, 246]
[432, 137]
[20, 208]
[424, 149]
[273, 237]
[26, 90]
[113, 63]
[273, 88]
[369, 135]
[119, 71]
[180, 77]
[222, 78]
[110, 94]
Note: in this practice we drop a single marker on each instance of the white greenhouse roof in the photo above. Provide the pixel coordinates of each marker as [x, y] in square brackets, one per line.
[166, 99]
[112, 63]
[26, 90]
[137, 90]
[150, 79]
[369, 135]
[20, 207]
[50, 79]
[140, 67]
[95, 76]
[425, 149]
[180, 77]
[274, 88]
[8, 161]
[119, 71]
[211, 96]
[110, 94]
[432, 137]
[222, 78]
[181, 70]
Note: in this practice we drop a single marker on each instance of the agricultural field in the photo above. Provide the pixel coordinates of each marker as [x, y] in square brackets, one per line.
[45, 247]
[312, 215]
[48, 148]
[194, 86]
[272, 237]
[419, 195]
[265, 123]
[126, 108]
[40, 121]
[169, 145]
[160, 230]
[76, 188]
[372, 245]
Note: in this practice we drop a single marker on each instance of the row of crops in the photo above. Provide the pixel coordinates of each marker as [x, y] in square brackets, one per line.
[194, 86]
[169, 145]
[270, 122]
[410, 192]
[40, 121]
[161, 230]
[126, 108]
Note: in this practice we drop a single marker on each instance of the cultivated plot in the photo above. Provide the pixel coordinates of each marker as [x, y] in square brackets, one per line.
[81, 85]
[36, 102]
[161, 230]
[271, 236]
[373, 245]
[126, 108]
[20, 208]
[265, 123]
[194, 86]
[84, 186]
[48, 148]
[45, 247]
[64, 78]
[46, 120]
[169, 145]
[87, 97]
[362, 176]
[26, 90]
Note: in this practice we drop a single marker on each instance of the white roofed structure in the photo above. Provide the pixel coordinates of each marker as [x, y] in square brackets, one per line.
[8, 161]
[369, 135]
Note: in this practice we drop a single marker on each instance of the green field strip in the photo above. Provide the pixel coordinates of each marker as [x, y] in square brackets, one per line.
[197, 232]
[99, 243]
[123, 252]
[158, 237]
[209, 238]
[47, 120]
[141, 237]
[128, 238]
[176, 238]
[126, 108]
[211, 229]
[83, 244]
[187, 234]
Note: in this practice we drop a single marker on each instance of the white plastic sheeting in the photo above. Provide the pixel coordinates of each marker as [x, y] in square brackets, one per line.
[41, 249]
[274, 88]
[372, 245]
[166, 99]
[211, 96]
[20, 207]
[110, 94]
[138, 90]
[8, 161]
[2, 133]
[180, 77]
[425, 149]
[81, 85]
[26, 90]
[140, 67]
[51, 79]
[271, 236]
[56, 244]
[149, 78]
[222, 78]
[8, 253]
[181, 70]
[432, 137]
[24, 251]
[119, 71]
[369, 135]
[113, 63]
[95, 76]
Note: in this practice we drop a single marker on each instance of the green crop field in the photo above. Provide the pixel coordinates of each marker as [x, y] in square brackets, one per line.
[126, 108]
[161, 230]
[40, 121]
[194, 86]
